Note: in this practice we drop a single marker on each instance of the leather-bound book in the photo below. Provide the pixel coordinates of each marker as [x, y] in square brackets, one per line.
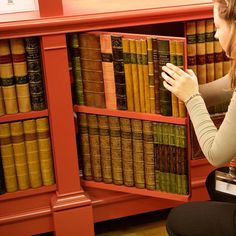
[165, 95]
[116, 153]
[7, 78]
[138, 155]
[7, 155]
[134, 67]
[35, 73]
[91, 68]
[151, 75]
[191, 35]
[210, 50]
[20, 73]
[127, 151]
[201, 51]
[22, 171]
[105, 144]
[156, 75]
[84, 146]
[128, 74]
[2, 181]
[78, 93]
[218, 59]
[108, 71]
[45, 151]
[94, 147]
[2, 106]
[32, 153]
[148, 148]
[117, 51]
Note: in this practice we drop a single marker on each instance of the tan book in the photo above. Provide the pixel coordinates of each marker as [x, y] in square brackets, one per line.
[210, 50]
[105, 144]
[148, 148]
[95, 147]
[7, 78]
[45, 151]
[32, 153]
[8, 162]
[145, 75]
[108, 71]
[127, 151]
[84, 146]
[116, 154]
[2, 107]
[20, 73]
[140, 75]
[22, 171]
[218, 59]
[134, 67]
[191, 35]
[201, 51]
[137, 136]
[151, 75]
[128, 74]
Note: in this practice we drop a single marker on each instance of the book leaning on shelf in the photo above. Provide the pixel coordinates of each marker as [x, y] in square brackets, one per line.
[123, 71]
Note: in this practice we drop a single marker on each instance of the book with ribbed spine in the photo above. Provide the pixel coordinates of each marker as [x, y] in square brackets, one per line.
[7, 78]
[191, 36]
[7, 155]
[32, 153]
[76, 69]
[148, 148]
[128, 74]
[45, 151]
[2, 181]
[22, 171]
[35, 73]
[138, 157]
[105, 148]
[151, 75]
[84, 146]
[94, 147]
[20, 72]
[116, 152]
[2, 107]
[127, 151]
[218, 59]
[134, 67]
[91, 69]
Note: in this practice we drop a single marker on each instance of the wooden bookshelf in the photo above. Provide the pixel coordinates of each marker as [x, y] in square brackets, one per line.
[71, 206]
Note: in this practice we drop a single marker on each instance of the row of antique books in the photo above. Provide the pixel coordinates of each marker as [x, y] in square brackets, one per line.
[26, 155]
[134, 153]
[123, 71]
[21, 77]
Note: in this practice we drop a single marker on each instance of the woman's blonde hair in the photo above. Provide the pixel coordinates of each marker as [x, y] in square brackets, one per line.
[227, 11]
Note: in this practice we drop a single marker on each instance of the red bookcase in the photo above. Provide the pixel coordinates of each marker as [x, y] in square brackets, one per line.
[71, 206]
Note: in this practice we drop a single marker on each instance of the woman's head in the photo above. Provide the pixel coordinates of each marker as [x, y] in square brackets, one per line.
[225, 23]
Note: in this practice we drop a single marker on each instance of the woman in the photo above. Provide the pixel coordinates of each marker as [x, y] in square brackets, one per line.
[219, 146]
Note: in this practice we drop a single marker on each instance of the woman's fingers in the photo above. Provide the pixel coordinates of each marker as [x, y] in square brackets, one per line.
[167, 78]
[171, 72]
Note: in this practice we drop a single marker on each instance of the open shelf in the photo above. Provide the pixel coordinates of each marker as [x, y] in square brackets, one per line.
[131, 114]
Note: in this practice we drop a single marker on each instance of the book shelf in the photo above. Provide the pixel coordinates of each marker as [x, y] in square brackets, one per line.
[71, 206]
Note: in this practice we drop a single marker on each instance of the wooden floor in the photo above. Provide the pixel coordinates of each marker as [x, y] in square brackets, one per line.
[147, 224]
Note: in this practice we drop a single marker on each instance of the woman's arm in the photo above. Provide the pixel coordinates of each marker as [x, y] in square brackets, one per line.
[217, 91]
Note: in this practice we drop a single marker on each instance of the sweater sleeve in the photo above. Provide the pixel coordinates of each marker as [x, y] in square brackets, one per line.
[218, 145]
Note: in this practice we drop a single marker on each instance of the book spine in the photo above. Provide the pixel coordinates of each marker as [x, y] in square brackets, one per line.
[108, 71]
[45, 152]
[2, 107]
[7, 78]
[134, 67]
[151, 75]
[2, 182]
[218, 59]
[128, 74]
[127, 151]
[22, 171]
[32, 153]
[35, 73]
[105, 145]
[8, 162]
[117, 51]
[95, 147]
[20, 73]
[76, 69]
[116, 153]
